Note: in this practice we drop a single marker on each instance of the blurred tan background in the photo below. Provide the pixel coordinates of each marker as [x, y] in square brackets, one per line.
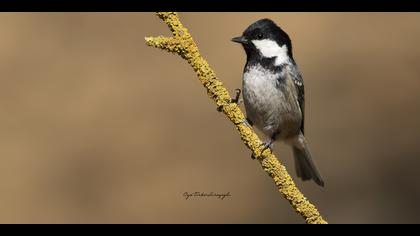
[96, 127]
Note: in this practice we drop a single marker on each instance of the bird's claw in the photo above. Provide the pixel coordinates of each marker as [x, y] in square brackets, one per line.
[237, 100]
[247, 122]
[265, 145]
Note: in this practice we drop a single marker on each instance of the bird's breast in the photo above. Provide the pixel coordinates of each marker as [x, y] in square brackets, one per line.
[270, 101]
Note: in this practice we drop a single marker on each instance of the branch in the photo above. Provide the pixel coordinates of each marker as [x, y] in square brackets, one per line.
[183, 44]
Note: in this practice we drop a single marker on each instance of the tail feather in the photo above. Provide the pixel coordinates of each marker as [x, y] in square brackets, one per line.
[305, 166]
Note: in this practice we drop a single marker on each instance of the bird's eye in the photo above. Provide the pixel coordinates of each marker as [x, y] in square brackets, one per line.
[260, 35]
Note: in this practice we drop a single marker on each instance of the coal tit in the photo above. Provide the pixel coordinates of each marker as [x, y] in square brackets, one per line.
[273, 92]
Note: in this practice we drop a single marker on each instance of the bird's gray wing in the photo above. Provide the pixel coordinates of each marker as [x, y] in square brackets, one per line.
[298, 81]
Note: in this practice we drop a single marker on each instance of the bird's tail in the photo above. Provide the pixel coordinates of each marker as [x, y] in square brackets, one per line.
[305, 166]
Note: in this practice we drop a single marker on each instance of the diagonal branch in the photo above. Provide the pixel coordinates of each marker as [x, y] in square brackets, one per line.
[183, 44]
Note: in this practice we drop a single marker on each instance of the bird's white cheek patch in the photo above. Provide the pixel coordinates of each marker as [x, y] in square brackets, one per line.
[269, 48]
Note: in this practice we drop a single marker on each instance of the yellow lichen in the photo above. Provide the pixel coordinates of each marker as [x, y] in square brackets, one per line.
[183, 44]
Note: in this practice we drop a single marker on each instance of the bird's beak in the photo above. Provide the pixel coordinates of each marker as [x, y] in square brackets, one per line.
[241, 40]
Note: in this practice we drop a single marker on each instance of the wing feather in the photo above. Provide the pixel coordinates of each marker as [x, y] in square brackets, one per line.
[298, 81]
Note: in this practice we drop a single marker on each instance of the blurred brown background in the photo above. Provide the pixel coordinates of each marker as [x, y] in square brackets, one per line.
[96, 127]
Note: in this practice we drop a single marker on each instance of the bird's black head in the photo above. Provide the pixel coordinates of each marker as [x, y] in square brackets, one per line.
[264, 38]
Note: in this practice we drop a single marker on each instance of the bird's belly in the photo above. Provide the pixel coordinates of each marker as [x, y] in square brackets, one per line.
[272, 110]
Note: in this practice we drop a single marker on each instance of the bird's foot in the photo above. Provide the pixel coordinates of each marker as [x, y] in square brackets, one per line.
[247, 122]
[265, 145]
[237, 100]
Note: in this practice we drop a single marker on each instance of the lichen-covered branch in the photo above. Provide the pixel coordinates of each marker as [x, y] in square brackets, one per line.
[182, 43]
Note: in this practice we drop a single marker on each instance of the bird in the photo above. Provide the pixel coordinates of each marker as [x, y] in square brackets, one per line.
[273, 92]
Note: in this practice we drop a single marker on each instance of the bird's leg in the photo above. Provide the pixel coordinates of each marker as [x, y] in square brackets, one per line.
[268, 144]
[247, 122]
[235, 100]
[238, 101]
